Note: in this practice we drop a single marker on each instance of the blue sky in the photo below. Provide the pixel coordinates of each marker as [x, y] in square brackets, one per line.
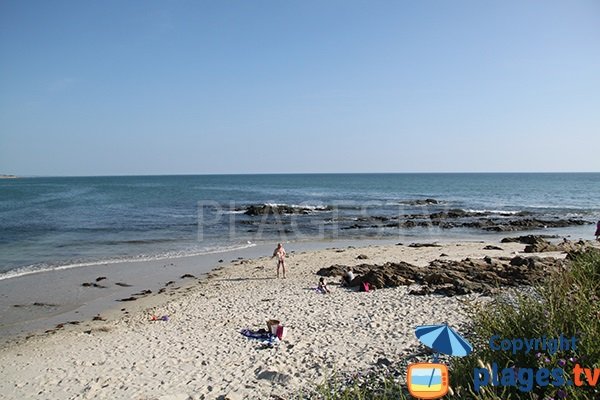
[169, 87]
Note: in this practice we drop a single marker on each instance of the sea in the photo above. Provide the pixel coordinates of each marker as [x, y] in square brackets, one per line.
[51, 223]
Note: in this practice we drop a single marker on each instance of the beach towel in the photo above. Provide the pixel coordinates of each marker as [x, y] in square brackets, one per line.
[268, 340]
[260, 334]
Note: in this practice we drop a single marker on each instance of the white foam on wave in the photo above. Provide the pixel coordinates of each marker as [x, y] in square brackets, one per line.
[307, 206]
[499, 212]
[39, 268]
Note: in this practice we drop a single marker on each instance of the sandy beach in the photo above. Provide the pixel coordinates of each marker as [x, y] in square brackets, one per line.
[199, 353]
[154, 154]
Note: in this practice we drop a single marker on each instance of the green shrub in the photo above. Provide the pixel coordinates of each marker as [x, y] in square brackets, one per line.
[568, 304]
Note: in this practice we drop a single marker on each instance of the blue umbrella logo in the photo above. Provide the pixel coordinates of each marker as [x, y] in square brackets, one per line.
[443, 339]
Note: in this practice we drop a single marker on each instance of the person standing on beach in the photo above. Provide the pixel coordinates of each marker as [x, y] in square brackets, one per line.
[280, 254]
[597, 231]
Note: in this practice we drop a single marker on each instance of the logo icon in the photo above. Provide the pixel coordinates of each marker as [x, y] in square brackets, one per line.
[430, 380]
[427, 380]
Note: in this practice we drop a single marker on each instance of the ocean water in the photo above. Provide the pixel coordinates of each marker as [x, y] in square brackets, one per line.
[48, 223]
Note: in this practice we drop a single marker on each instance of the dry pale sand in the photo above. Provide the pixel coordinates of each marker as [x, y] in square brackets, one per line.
[200, 354]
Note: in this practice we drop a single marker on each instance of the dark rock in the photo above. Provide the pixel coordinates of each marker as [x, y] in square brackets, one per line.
[533, 223]
[490, 247]
[519, 261]
[527, 239]
[128, 299]
[143, 293]
[458, 218]
[451, 290]
[567, 246]
[408, 224]
[452, 278]
[255, 210]
[384, 361]
[362, 257]
[123, 284]
[187, 276]
[334, 270]
[453, 214]
[353, 226]
[420, 202]
[540, 245]
[100, 278]
[575, 247]
[221, 260]
[417, 245]
[93, 284]
[437, 278]
[572, 255]
[422, 291]
[38, 304]
[267, 209]
[383, 278]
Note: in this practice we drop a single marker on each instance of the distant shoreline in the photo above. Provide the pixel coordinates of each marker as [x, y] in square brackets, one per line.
[250, 174]
[8, 177]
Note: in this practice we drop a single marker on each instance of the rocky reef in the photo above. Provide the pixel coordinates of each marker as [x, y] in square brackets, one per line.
[450, 278]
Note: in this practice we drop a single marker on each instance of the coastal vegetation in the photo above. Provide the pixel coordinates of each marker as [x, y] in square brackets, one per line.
[567, 304]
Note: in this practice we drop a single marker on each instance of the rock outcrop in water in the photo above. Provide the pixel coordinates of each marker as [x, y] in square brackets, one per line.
[420, 202]
[268, 209]
[350, 218]
[457, 218]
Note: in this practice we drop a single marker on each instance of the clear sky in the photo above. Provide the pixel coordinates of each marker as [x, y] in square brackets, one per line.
[194, 87]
